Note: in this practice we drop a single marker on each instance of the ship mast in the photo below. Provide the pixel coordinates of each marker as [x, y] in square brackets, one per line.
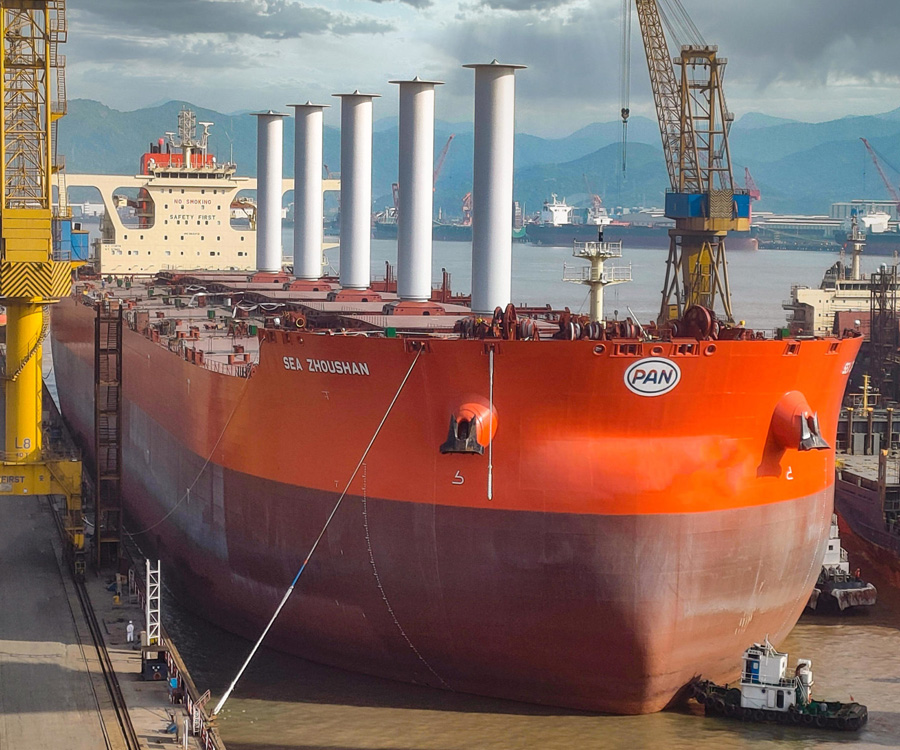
[597, 276]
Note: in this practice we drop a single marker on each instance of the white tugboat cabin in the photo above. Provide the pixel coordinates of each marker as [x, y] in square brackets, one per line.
[766, 684]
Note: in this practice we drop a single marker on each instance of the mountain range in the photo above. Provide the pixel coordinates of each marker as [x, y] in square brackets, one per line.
[799, 167]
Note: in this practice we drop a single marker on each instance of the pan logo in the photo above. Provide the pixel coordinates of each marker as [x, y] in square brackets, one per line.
[652, 376]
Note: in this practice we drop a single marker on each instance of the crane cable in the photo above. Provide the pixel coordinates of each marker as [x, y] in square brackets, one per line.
[682, 30]
[625, 94]
[315, 545]
[679, 24]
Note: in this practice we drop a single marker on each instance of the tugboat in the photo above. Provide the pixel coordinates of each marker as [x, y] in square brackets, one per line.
[768, 694]
[836, 586]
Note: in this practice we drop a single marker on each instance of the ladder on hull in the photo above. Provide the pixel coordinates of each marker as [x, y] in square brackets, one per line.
[107, 432]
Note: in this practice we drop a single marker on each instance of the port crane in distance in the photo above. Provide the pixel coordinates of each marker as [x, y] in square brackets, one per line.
[438, 167]
[694, 123]
[751, 186]
[596, 200]
[892, 191]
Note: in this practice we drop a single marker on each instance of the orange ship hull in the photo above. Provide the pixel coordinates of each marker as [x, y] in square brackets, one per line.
[607, 547]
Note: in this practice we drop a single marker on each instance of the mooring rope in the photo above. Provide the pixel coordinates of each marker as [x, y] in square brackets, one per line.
[315, 545]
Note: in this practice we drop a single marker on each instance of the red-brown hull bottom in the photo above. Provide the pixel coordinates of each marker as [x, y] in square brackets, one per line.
[647, 601]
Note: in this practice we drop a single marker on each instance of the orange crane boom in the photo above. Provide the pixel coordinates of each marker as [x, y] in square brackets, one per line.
[751, 186]
[440, 162]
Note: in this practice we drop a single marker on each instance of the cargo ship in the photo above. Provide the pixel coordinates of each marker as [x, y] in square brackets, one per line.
[441, 231]
[867, 496]
[882, 244]
[881, 235]
[845, 297]
[814, 310]
[535, 506]
[559, 225]
[867, 490]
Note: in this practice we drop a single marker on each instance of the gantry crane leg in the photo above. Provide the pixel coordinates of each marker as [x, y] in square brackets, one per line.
[23, 419]
[31, 72]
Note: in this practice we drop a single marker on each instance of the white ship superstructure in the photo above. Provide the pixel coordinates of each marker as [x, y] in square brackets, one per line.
[843, 289]
[812, 310]
[557, 213]
[181, 215]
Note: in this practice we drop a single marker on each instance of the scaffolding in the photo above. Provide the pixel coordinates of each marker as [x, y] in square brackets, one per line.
[153, 605]
[882, 357]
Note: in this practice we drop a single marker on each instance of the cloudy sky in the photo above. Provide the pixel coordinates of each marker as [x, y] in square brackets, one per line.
[805, 59]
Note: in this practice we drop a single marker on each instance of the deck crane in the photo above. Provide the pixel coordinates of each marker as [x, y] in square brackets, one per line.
[694, 123]
[32, 99]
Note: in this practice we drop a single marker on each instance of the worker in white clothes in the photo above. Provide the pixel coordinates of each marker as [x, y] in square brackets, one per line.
[129, 632]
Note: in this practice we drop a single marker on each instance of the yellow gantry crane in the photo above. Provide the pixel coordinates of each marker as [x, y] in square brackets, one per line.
[32, 99]
[694, 123]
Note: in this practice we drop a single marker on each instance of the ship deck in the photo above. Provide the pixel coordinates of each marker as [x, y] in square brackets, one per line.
[219, 314]
[214, 318]
[861, 466]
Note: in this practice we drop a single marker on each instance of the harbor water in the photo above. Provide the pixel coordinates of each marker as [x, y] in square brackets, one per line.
[285, 702]
[760, 280]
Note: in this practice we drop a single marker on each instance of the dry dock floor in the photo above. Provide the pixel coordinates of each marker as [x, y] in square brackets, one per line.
[47, 695]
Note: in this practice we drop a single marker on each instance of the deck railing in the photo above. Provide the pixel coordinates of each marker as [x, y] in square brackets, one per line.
[611, 274]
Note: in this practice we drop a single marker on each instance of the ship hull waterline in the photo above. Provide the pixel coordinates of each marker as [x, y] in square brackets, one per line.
[554, 592]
